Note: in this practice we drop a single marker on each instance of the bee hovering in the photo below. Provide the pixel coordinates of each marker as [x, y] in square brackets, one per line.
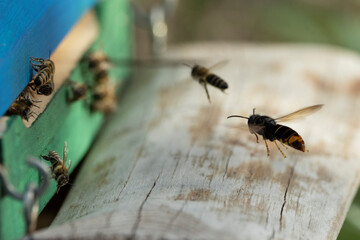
[58, 168]
[43, 81]
[270, 130]
[205, 76]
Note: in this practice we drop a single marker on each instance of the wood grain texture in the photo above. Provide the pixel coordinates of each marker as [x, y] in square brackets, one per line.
[171, 166]
[31, 28]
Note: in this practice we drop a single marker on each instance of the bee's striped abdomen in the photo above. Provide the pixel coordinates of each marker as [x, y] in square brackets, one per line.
[42, 77]
[42, 82]
[216, 81]
[54, 158]
[289, 137]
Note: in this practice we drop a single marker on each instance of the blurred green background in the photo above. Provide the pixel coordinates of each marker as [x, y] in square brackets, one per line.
[332, 22]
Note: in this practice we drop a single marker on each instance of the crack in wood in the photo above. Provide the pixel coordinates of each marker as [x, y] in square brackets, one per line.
[138, 219]
[227, 165]
[272, 234]
[73, 228]
[131, 171]
[297, 202]
[285, 195]
[173, 219]
[177, 157]
[267, 218]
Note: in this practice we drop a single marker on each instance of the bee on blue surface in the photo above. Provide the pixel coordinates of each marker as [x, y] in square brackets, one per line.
[43, 81]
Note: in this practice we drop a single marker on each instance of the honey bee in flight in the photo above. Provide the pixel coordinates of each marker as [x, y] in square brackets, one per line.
[205, 76]
[22, 105]
[58, 168]
[43, 81]
[270, 130]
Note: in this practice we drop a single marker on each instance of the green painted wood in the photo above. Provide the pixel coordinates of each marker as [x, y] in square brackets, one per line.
[60, 122]
[351, 227]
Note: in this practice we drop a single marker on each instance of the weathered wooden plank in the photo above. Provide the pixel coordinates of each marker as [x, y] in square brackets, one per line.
[170, 165]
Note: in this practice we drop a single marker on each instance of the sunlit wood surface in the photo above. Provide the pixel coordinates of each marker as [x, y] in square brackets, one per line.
[169, 165]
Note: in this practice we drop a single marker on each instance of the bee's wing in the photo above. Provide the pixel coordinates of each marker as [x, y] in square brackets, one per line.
[65, 153]
[218, 64]
[300, 113]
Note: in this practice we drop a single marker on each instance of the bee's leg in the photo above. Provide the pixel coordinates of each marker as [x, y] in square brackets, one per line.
[267, 148]
[33, 113]
[283, 145]
[280, 149]
[207, 92]
[32, 86]
[36, 66]
[257, 138]
[45, 157]
[223, 90]
[40, 60]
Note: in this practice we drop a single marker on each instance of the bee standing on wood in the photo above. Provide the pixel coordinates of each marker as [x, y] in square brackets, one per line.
[270, 130]
[58, 168]
[205, 76]
[43, 81]
[22, 105]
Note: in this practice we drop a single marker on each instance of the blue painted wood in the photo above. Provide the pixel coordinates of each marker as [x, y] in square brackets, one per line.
[31, 28]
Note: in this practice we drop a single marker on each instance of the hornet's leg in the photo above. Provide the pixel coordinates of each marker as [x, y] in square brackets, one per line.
[283, 145]
[257, 138]
[280, 149]
[267, 148]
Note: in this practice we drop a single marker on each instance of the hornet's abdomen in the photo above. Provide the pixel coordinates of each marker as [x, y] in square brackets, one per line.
[216, 81]
[289, 137]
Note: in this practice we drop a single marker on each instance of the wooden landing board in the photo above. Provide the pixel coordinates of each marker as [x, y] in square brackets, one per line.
[170, 165]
